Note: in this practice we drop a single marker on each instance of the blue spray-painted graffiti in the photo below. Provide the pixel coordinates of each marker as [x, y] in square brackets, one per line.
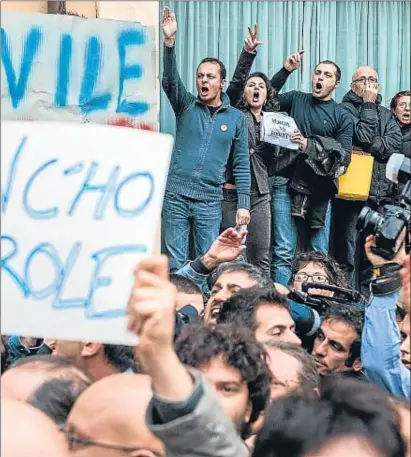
[108, 192]
[88, 99]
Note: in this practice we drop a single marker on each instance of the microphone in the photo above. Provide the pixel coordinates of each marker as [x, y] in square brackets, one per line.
[398, 168]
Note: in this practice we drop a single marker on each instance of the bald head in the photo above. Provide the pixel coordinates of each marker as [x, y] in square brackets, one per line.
[26, 431]
[112, 411]
[365, 71]
[22, 380]
[363, 79]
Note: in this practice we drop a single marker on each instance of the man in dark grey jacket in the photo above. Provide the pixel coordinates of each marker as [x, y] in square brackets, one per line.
[377, 133]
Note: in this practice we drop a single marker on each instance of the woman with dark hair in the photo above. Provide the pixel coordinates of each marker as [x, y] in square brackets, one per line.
[253, 94]
[401, 110]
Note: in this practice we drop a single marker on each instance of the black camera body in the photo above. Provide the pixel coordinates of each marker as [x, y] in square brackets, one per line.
[321, 303]
[387, 227]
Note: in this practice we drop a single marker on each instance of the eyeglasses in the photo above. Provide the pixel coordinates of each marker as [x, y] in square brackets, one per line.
[73, 442]
[363, 80]
[404, 105]
[303, 277]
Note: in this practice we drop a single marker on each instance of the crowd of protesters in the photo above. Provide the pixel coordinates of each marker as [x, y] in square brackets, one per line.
[265, 344]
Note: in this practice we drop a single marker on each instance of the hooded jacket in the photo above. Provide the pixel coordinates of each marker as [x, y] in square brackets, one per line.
[377, 133]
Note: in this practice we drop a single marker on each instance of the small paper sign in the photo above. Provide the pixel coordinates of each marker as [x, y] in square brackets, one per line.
[277, 128]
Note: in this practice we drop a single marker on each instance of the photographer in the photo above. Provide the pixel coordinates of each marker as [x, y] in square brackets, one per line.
[381, 338]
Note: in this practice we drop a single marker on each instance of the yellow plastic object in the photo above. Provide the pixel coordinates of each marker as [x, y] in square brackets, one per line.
[355, 184]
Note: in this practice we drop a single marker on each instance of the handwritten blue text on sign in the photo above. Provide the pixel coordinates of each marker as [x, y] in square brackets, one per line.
[80, 69]
[75, 224]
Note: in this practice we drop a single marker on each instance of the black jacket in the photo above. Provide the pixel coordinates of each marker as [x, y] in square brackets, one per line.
[376, 132]
[261, 154]
[406, 140]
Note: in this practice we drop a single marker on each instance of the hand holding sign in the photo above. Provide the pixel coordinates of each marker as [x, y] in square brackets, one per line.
[151, 307]
[299, 139]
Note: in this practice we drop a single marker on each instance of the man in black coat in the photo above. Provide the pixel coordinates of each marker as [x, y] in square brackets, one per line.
[377, 133]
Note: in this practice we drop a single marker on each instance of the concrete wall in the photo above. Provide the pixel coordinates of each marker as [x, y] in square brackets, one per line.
[88, 9]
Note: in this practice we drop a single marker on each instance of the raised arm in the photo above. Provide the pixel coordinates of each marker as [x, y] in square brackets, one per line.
[182, 400]
[172, 84]
[292, 63]
[226, 248]
[245, 62]
[381, 338]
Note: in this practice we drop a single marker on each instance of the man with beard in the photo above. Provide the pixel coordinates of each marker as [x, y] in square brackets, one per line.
[375, 133]
[324, 137]
[208, 132]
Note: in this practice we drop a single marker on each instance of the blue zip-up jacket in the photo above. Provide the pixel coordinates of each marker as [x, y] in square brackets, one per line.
[380, 347]
[204, 143]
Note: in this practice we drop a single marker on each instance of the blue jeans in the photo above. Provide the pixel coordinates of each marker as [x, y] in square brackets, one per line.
[285, 233]
[179, 215]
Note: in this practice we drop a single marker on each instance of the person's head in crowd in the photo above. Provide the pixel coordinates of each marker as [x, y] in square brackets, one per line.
[96, 359]
[26, 376]
[188, 293]
[258, 94]
[350, 418]
[234, 363]
[108, 419]
[19, 347]
[211, 78]
[403, 409]
[4, 354]
[405, 345]
[264, 311]
[292, 369]
[228, 279]
[401, 107]
[326, 78]
[25, 431]
[337, 345]
[316, 266]
[362, 78]
[56, 398]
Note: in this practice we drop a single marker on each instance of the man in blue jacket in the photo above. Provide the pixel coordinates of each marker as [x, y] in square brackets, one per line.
[208, 132]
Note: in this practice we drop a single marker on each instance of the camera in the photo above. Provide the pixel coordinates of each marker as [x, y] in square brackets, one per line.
[321, 303]
[388, 226]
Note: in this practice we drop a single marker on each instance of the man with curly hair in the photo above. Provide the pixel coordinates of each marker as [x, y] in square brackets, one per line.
[233, 362]
[315, 266]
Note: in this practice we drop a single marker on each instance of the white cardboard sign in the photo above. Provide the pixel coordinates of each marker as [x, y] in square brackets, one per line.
[63, 68]
[80, 205]
[277, 129]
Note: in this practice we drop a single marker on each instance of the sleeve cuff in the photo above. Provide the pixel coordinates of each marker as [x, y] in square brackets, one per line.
[198, 266]
[369, 105]
[243, 201]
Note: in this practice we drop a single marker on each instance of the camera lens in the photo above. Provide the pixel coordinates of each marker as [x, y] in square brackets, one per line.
[369, 221]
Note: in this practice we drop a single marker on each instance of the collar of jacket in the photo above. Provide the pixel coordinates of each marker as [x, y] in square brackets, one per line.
[224, 99]
[352, 97]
